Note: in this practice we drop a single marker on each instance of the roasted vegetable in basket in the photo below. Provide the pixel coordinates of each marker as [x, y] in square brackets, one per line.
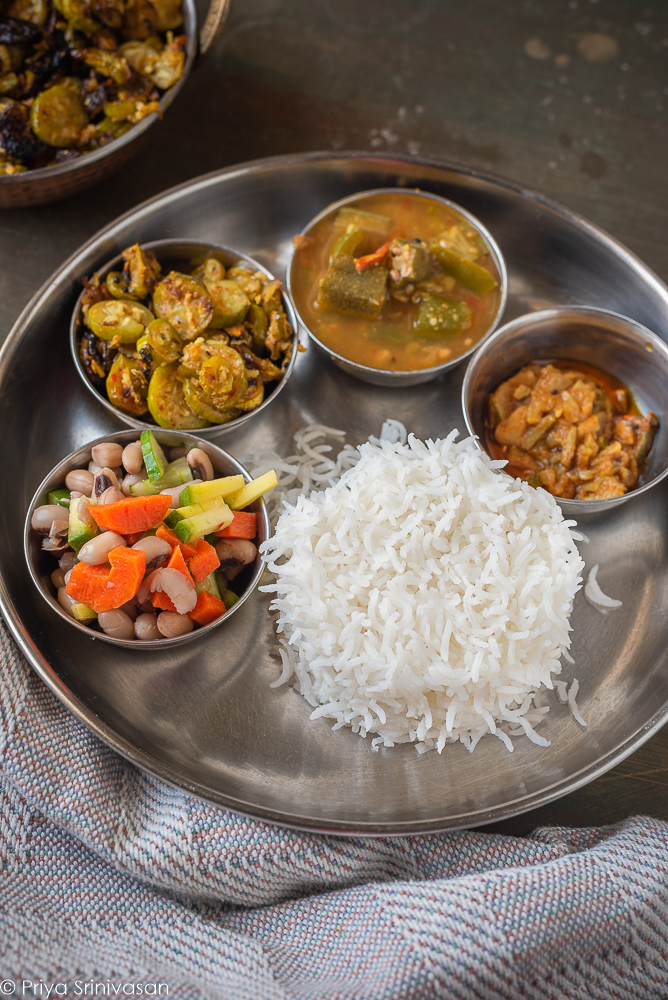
[76, 74]
[189, 349]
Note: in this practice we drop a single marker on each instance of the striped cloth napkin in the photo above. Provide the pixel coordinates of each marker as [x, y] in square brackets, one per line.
[112, 883]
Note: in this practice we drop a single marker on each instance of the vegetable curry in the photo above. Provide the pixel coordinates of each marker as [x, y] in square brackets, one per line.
[396, 281]
[570, 428]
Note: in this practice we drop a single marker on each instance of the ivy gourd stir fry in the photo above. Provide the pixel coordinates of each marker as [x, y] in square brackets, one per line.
[190, 349]
[76, 74]
[149, 544]
[395, 281]
[570, 428]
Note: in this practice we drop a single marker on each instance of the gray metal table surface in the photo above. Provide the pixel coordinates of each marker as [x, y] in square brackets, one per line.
[567, 96]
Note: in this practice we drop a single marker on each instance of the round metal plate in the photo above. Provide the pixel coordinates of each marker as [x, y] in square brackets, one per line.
[203, 717]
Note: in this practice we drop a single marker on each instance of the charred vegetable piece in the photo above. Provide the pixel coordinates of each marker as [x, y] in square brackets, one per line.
[107, 64]
[347, 290]
[169, 14]
[139, 19]
[215, 409]
[256, 319]
[254, 395]
[118, 318]
[110, 12]
[169, 64]
[16, 31]
[370, 222]
[348, 242]
[77, 15]
[141, 56]
[185, 302]
[478, 279]
[35, 11]
[167, 403]
[58, 116]
[116, 286]
[410, 262]
[159, 343]
[126, 386]
[18, 140]
[439, 316]
[140, 269]
[230, 303]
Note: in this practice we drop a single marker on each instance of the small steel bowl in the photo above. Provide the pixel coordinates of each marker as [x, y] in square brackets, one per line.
[606, 340]
[379, 376]
[41, 564]
[180, 250]
[60, 180]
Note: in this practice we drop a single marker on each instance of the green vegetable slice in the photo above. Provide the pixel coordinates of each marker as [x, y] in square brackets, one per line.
[126, 386]
[57, 115]
[473, 276]
[177, 472]
[119, 318]
[154, 456]
[167, 402]
[438, 317]
[230, 303]
[185, 302]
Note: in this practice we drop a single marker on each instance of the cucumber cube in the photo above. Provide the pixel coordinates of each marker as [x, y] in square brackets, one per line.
[192, 528]
[154, 456]
[252, 491]
[198, 492]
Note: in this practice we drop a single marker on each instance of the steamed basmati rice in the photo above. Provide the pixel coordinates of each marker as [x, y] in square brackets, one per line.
[423, 597]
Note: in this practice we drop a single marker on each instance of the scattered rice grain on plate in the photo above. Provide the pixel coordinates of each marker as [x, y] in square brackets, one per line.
[595, 595]
[421, 596]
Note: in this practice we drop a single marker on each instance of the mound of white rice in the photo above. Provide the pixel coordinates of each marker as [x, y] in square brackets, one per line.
[424, 597]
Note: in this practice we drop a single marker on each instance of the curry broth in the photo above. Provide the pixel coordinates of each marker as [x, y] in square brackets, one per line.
[389, 342]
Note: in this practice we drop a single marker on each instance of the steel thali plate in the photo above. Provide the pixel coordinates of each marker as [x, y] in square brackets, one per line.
[203, 717]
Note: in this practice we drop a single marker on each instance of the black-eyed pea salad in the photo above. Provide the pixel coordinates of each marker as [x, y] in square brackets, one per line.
[147, 545]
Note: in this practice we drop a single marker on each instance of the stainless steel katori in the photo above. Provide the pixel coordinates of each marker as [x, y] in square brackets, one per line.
[598, 337]
[397, 379]
[203, 716]
[41, 564]
[180, 251]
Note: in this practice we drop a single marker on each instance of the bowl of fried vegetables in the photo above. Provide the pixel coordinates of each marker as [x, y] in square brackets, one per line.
[397, 286]
[184, 335]
[81, 81]
[575, 400]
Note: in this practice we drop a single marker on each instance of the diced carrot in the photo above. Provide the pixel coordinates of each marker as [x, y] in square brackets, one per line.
[160, 600]
[204, 561]
[361, 263]
[105, 587]
[176, 561]
[208, 608]
[131, 515]
[133, 537]
[244, 525]
[173, 539]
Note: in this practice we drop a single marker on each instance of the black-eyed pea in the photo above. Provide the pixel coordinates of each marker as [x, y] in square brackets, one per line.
[146, 628]
[67, 561]
[132, 458]
[157, 550]
[104, 478]
[44, 517]
[65, 601]
[107, 455]
[96, 551]
[132, 479]
[58, 578]
[80, 481]
[200, 463]
[172, 624]
[117, 624]
[112, 495]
